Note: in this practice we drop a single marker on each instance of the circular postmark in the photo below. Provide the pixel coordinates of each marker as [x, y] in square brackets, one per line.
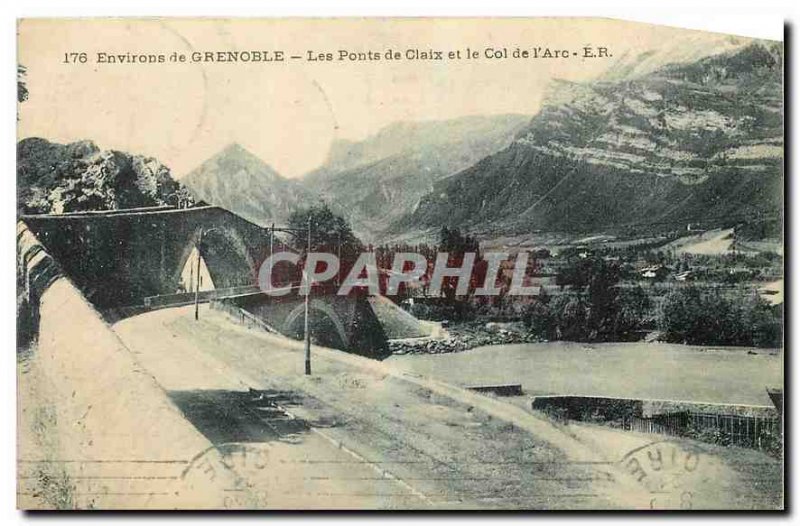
[226, 474]
[667, 470]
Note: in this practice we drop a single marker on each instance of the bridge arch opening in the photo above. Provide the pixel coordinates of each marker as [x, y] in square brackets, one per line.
[224, 259]
[326, 327]
[195, 268]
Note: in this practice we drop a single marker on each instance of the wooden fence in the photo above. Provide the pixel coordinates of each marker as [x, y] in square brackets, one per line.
[244, 317]
[745, 431]
[673, 424]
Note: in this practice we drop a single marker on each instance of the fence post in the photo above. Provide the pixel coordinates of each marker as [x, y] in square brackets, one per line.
[748, 436]
[758, 435]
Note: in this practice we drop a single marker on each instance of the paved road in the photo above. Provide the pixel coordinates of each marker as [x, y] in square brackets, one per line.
[361, 438]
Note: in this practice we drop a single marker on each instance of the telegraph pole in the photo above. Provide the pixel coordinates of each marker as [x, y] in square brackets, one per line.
[339, 256]
[197, 275]
[271, 238]
[271, 244]
[298, 232]
[197, 282]
[308, 293]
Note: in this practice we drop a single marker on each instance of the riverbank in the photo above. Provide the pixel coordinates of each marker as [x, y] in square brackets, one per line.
[734, 375]
[464, 336]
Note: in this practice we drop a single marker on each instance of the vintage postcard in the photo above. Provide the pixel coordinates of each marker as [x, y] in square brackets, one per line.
[398, 264]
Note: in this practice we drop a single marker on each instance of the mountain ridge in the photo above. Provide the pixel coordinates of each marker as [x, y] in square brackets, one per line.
[682, 143]
[238, 180]
[402, 136]
[376, 181]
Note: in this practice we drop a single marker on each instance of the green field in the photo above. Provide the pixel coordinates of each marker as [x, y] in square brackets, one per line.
[632, 370]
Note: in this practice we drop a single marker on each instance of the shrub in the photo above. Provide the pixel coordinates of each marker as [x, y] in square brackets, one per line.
[593, 316]
[693, 317]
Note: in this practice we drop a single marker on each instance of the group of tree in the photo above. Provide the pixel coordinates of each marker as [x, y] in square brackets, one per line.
[457, 245]
[56, 178]
[385, 254]
[319, 229]
[22, 84]
[594, 308]
[708, 317]
[329, 232]
[452, 242]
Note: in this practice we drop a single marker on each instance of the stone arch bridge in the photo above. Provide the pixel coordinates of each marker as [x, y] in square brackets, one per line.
[120, 258]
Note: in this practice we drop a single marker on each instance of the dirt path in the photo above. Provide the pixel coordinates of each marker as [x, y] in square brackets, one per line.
[283, 463]
[444, 450]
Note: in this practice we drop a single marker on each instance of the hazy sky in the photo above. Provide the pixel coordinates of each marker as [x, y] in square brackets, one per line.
[288, 113]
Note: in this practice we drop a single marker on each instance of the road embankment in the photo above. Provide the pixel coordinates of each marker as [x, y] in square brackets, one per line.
[90, 413]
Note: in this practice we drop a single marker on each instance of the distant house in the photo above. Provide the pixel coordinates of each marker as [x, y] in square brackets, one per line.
[772, 292]
[655, 272]
[687, 275]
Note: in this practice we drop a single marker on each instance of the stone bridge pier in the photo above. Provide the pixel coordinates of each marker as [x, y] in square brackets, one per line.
[340, 322]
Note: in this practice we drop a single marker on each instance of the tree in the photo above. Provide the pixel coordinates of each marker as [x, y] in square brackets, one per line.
[594, 309]
[572, 312]
[633, 312]
[457, 245]
[22, 85]
[602, 299]
[766, 323]
[596, 279]
[329, 232]
[541, 321]
[709, 318]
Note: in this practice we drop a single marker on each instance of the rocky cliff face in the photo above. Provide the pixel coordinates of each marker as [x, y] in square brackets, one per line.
[55, 178]
[688, 142]
[238, 181]
[379, 180]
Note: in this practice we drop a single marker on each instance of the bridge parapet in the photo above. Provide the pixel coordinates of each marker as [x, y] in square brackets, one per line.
[119, 258]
